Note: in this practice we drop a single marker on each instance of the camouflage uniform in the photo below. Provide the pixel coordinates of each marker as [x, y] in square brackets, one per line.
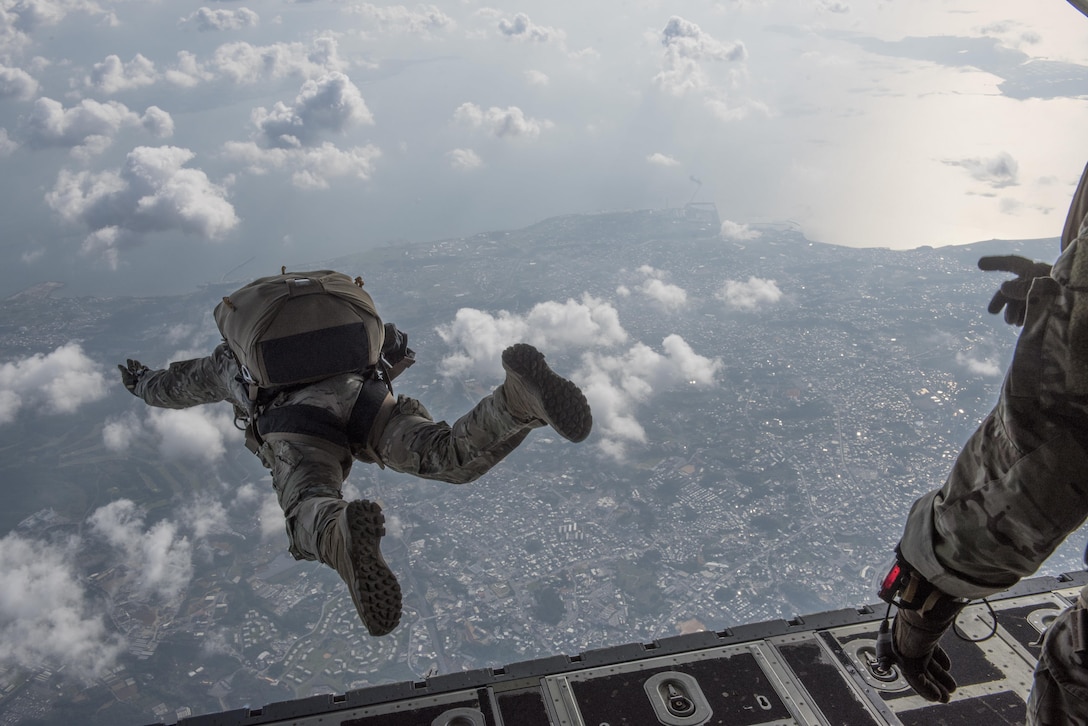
[1020, 485]
[308, 471]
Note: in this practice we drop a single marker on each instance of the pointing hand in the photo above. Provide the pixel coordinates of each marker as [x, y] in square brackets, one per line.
[1013, 294]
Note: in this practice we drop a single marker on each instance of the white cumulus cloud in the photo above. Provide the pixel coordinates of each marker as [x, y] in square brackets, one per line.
[616, 384]
[89, 126]
[193, 434]
[20, 19]
[687, 46]
[750, 294]
[537, 78]
[58, 382]
[331, 103]
[246, 63]
[738, 232]
[44, 615]
[988, 367]
[522, 28]
[510, 122]
[161, 557]
[659, 159]
[478, 337]
[7, 145]
[152, 192]
[464, 159]
[312, 168]
[17, 83]
[113, 75]
[669, 296]
[205, 19]
[422, 21]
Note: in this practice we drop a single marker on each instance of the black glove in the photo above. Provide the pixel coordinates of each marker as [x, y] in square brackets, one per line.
[1013, 294]
[920, 658]
[132, 373]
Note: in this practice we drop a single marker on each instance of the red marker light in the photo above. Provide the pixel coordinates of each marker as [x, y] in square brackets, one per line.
[887, 590]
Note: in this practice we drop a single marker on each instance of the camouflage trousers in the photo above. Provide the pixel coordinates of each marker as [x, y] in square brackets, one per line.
[1059, 695]
[308, 476]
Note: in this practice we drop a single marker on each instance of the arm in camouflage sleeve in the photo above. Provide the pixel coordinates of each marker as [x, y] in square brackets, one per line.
[191, 382]
[1018, 487]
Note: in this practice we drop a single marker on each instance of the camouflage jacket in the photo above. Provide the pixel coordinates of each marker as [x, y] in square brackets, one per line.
[218, 378]
[1020, 485]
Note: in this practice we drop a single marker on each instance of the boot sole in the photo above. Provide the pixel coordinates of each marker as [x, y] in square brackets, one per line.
[565, 406]
[375, 592]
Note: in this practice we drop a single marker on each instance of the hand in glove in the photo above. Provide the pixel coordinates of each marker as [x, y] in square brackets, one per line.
[923, 662]
[1013, 294]
[132, 373]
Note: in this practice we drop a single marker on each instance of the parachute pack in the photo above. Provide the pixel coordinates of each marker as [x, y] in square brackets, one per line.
[300, 327]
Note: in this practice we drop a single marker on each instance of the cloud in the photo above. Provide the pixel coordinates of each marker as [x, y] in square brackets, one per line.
[739, 232]
[205, 515]
[998, 171]
[160, 557]
[17, 83]
[312, 167]
[112, 76]
[510, 122]
[59, 382]
[537, 78]
[521, 28]
[687, 46]
[271, 516]
[729, 110]
[659, 159]
[206, 19]
[988, 367]
[119, 434]
[44, 615]
[7, 146]
[245, 63]
[833, 6]
[749, 295]
[152, 192]
[158, 122]
[615, 385]
[188, 71]
[89, 126]
[478, 338]
[671, 297]
[193, 434]
[331, 103]
[400, 20]
[18, 20]
[464, 159]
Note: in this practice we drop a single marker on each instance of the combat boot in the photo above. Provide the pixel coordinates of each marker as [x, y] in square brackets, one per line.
[351, 546]
[534, 393]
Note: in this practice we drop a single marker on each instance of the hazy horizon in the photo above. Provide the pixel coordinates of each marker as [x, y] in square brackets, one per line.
[150, 146]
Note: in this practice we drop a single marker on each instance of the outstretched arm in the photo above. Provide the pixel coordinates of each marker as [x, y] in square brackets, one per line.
[185, 383]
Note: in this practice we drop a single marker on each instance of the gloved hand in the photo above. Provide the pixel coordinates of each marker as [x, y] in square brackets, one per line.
[1013, 294]
[923, 662]
[132, 373]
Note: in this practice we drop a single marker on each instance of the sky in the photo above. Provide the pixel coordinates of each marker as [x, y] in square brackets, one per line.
[147, 146]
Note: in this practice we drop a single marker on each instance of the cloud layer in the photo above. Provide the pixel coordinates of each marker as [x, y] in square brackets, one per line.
[58, 382]
[615, 383]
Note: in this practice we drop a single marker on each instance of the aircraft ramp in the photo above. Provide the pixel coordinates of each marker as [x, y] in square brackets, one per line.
[817, 669]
